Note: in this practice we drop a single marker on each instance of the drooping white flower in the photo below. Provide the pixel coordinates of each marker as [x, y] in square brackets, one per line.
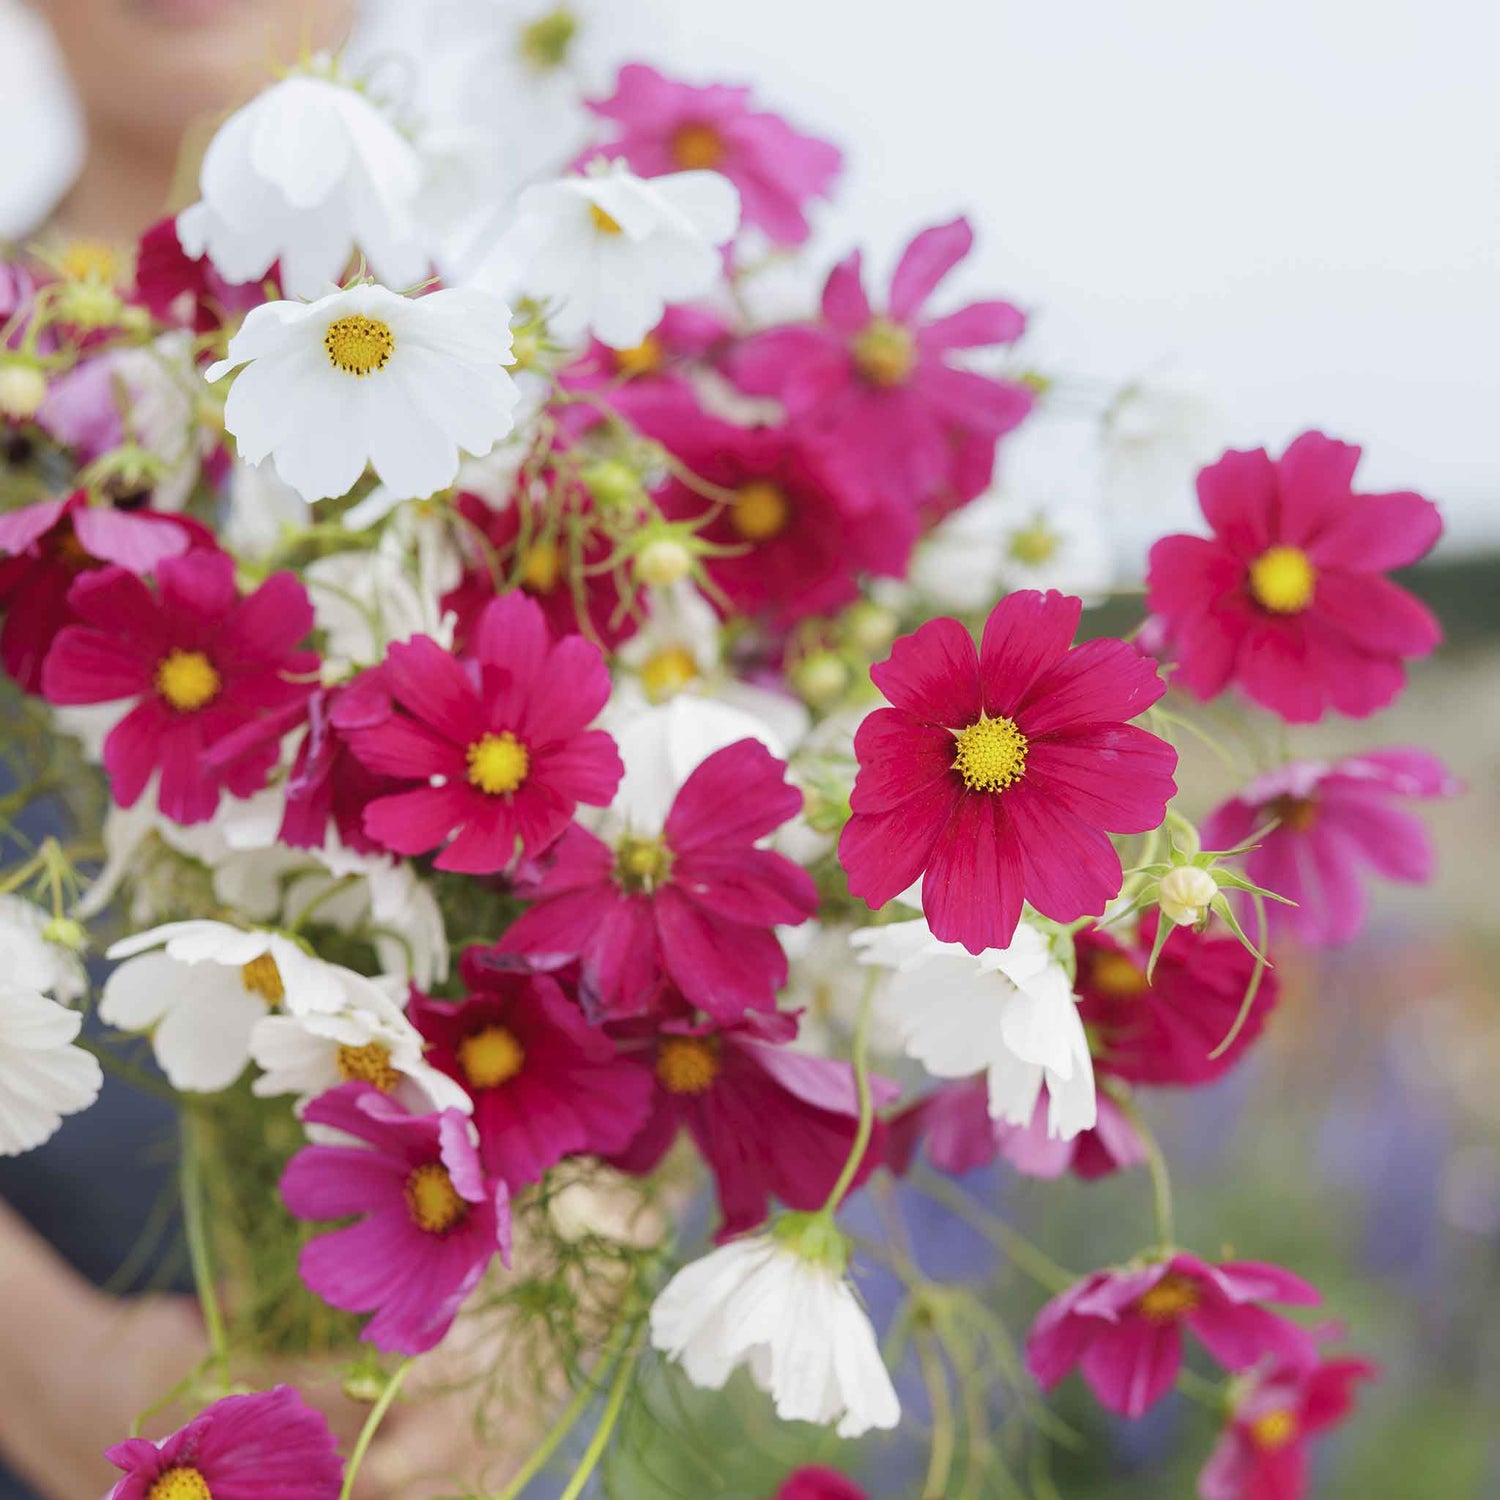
[32, 961]
[43, 1074]
[1009, 1012]
[777, 1305]
[1160, 429]
[365, 601]
[304, 176]
[609, 250]
[366, 377]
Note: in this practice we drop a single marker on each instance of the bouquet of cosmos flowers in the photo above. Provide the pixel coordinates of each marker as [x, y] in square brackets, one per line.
[606, 803]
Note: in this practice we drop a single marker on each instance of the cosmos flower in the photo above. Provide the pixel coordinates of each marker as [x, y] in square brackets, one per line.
[366, 377]
[268, 1443]
[668, 126]
[174, 286]
[44, 1075]
[429, 1220]
[34, 960]
[997, 775]
[193, 662]
[1125, 1326]
[1288, 599]
[1334, 820]
[813, 1483]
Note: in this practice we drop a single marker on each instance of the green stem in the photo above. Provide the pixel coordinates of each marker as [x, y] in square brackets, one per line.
[372, 1425]
[612, 1408]
[944, 1437]
[1026, 1257]
[1161, 1180]
[196, 1226]
[866, 1096]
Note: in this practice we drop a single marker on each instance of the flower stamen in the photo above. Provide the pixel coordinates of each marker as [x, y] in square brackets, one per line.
[1283, 580]
[358, 345]
[687, 1064]
[368, 1064]
[433, 1202]
[1118, 976]
[490, 1057]
[180, 1484]
[885, 352]
[760, 511]
[642, 864]
[990, 754]
[1274, 1429]
[498, 763]
[605, 223]
[261, 977]
[697, 147]
[187, 680]
[1171, 1298]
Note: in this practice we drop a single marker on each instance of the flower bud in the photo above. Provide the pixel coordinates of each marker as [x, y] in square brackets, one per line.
[23, 388]
[88, 304]
[1185, 893]
[614, 485]
[66, 933]
[663, 562]
[869, 627]
[820, 678]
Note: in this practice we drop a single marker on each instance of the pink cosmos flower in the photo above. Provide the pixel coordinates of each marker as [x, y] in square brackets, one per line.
[1335, 820]
[494, 747]
[430, 1220]
[200, 663]
[955, 1125]
[1163, 1032]
[1263, 1452]
[1288, 600]
[667, 126]
[1124, 1326]
[545, 1083]
[45, 546]
[695, 906]
[743, 1095]
[904, 427]
[795, 544]
[174, 287]
[269, 1445]
[819, 1484]
[998, 774]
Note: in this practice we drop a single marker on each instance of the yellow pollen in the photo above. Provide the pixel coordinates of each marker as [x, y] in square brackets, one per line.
[697, 147]
[432, 1200]
[490, 1057]
[1169, 1299]
[1033, 545]
[1283, 580]
[544, 43]
[603, 222]
[885, 352]
[368, 1064]
[358, 345]
[498, 763]
[261, 977]
[1297, 813]
[1118, 975]
[1274, 1429]
[760, 511]
[642, 864]
[180, 1484]
[541, 567]
[990, 754]
[668, 671]
[687, 1064]
[644, 358]
[90, 260]
[187, 680]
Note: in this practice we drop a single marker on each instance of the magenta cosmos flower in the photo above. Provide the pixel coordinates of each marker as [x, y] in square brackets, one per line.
[1162, 1031]
[743, 1095]
[819, 1484]
[495, 746]
[955, 1125]
[1333, 822]
[199, 662]
[695, 905]
[902, 425]
[666, 126]
[45, 546]
[175, 287]
[429, 1219]
[1263, 1454]
[1124, 1327]
[998, 774]
[545, 1084]
[1288, 599]
[267, 1446]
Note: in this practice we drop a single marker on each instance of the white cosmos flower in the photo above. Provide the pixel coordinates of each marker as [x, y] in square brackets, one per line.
[43, 1075]
[364, 376]
[611, 249]
[364, 601]
[32, 961]
[305, 175]
[1009, 1012]
[792, 1319]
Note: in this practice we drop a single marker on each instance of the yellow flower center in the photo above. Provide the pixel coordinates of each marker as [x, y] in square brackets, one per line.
[1297, 813]
[187, 680]
[432, 1200]
[1283, 580]
[358, 345]
[261, 977]
[760, 511]
[1274, 1429]
[490, 1057]
[605, 223]
[687, 1064]
[498, 763]
[1169, 1299]
[541, 567]
[180, 1484]
[1118, 975]
[1033, 545]
[885, 352]
[990, 754]
[667, 672]
[368, 1064]
[644, 358]
[90, 260]
[697, 147]
[642, 864]
[544, 43]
